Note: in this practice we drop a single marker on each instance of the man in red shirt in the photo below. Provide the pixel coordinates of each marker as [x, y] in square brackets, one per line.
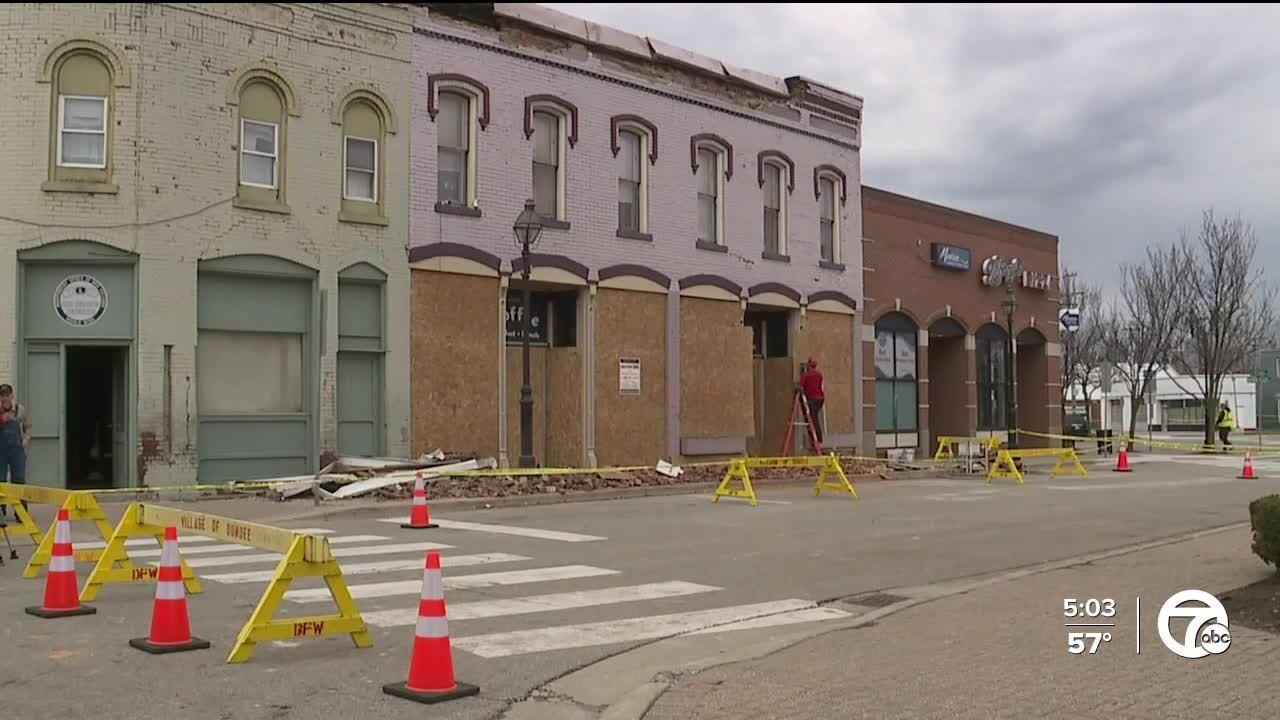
[811, 385]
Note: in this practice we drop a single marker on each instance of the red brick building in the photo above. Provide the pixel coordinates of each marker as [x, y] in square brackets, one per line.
[935, 327]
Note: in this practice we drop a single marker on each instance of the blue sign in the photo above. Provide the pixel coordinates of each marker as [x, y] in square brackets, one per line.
[952, 257]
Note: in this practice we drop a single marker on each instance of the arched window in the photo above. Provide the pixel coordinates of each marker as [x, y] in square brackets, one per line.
[459, 105]
[895, 363]
[634, 140]
[777, 176]
[829, 190]
[552, 124]
[82, 75]
[993, 377]
[712, 159]
[265, 103]
[366, 122]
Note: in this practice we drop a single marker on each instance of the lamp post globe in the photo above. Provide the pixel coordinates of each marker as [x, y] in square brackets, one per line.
[527, 229]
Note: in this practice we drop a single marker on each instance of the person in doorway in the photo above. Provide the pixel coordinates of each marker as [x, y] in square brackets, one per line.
[811, 386]
[1226, 423]
[15, 435]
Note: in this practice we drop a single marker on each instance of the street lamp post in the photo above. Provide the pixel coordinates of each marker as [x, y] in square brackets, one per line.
[1011, 408]
[527, 228]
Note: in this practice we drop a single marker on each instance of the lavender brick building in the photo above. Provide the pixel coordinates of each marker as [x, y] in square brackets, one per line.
[703, 236]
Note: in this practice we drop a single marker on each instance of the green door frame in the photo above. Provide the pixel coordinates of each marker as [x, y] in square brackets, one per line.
[81, 252]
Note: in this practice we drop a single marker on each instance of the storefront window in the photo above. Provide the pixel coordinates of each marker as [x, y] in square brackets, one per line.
[895, 361]
[993, 378]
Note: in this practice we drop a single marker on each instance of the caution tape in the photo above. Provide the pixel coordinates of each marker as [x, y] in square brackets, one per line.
[1160, 444]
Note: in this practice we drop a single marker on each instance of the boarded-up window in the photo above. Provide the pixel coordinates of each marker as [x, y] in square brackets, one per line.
[249, 373]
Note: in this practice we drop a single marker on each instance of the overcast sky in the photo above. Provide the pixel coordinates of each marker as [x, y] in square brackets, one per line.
[1109, 126]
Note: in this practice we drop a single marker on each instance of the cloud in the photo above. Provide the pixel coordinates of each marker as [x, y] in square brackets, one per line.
[1111, 126]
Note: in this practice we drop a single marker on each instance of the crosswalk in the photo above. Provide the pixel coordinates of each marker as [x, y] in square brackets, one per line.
[385, 578]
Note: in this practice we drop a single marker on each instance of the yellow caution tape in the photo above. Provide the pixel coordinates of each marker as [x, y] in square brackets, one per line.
[1161, 444]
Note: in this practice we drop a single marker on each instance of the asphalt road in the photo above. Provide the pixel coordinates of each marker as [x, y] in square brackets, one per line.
[535, 593]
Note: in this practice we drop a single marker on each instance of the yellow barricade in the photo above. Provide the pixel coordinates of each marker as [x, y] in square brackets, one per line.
[304, 555]
[1006, 466]
[80, 505]
[947, 444]
[828, 465]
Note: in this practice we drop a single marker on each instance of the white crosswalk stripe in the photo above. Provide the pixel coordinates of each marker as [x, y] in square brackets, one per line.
[456, 582]
[374, 568]
[523, 642]
[506, 530]
[543, 621]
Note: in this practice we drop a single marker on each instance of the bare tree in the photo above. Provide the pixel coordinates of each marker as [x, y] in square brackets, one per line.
[1229, 311]
[1141, 325]
[1082, 349]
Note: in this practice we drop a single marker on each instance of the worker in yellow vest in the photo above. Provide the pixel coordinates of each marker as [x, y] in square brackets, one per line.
[1226, 423]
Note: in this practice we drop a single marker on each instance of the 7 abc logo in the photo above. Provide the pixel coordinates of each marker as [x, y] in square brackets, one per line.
[1206, 633]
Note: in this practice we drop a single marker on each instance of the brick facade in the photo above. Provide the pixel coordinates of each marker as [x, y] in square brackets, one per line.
[903, 279]
[174, 140]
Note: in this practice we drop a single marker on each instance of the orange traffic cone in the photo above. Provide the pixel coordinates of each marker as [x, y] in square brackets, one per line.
[61, 590]
[419, 516]
[431, 668]
[1122, 465]
[170, 622]
[1248, 468]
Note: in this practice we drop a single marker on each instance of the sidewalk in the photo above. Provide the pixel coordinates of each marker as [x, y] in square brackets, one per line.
[1000, 651]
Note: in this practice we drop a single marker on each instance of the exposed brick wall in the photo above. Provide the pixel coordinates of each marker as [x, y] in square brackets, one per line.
[505, 159]
[174, 139]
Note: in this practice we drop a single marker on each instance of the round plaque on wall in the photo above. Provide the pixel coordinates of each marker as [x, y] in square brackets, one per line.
[80, 300]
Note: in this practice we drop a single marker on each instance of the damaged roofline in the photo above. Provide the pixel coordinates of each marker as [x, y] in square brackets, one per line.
[602, 37]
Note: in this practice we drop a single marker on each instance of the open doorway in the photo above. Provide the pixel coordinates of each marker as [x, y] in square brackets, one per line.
[775, 377]
[96, 417]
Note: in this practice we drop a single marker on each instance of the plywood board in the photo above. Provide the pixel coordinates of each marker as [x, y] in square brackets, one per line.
[779, 384]
[631, 429]
[564, 407]
[538, 382]
[716, 393]
[828, 338]
[454, 363]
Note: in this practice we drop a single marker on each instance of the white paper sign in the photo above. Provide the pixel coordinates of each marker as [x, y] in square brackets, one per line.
[629, 376]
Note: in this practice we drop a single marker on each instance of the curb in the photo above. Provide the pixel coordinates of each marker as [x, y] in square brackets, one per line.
[636, 703]
[362, 508]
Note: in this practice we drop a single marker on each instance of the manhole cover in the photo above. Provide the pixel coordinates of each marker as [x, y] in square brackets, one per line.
[876, 599]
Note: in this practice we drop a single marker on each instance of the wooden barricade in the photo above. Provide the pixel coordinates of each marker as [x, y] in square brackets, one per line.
[302, 555]
[828, 467]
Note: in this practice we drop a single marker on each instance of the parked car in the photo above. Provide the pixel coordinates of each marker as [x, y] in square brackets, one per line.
[1075, 425]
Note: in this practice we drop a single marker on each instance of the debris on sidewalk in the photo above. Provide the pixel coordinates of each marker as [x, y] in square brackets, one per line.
[666, 468]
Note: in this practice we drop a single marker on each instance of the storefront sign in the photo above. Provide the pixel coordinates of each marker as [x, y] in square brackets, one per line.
[629, 376]
[952, 257]
[80, 300]
[998, 271]
[537, 316]
[1037, 280]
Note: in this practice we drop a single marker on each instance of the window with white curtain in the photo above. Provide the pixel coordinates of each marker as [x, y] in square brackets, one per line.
[361, 164]
[82, 131]
[258, 153]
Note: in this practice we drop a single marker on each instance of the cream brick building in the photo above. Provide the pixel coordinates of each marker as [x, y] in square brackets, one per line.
[202, 283]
